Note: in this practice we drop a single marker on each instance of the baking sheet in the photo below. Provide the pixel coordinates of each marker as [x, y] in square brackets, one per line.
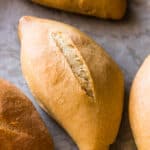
[127, 41]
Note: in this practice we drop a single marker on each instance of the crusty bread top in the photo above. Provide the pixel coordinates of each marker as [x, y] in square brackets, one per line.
[75, 61]
[21, 127]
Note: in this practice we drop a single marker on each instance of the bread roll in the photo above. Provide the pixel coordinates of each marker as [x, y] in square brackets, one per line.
[139, 106]
[21, 127]
[100, 8]
[74, 80]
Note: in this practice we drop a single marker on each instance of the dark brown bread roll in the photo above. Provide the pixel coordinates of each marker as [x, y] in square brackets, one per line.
[21, 127]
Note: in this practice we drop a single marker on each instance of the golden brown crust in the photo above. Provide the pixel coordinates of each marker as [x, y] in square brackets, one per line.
[139, 106]
[21, 127]
[99, 8]
[54, 84]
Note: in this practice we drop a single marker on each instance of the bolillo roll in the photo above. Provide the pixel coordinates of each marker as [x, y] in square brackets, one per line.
[139, 106]
[21, 127]
[74, 80]
[100, 8]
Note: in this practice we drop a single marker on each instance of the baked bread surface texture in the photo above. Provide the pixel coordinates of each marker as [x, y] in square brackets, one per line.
[21, 127]
[100, 8]
[73, 79]
[139, 106]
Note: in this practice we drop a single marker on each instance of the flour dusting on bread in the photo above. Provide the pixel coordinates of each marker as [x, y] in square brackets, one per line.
[75, 61]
